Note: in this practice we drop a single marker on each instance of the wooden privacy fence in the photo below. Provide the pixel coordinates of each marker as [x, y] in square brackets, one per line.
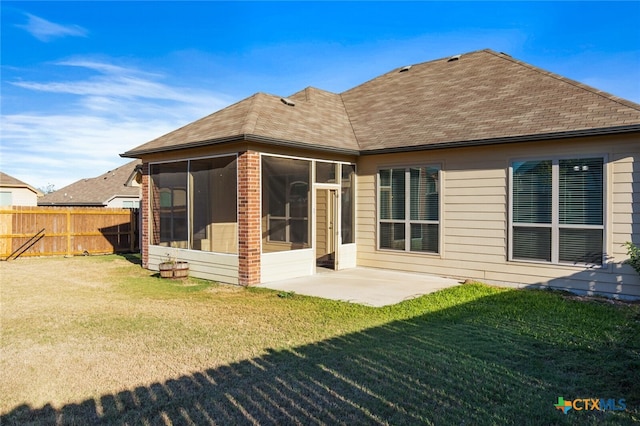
[51, 231]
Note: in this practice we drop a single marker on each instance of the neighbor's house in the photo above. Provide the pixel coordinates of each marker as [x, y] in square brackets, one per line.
[14, 192]
[118, 188]
[476, 166]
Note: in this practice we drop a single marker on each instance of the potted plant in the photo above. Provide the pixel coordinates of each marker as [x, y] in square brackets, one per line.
[180, 269]
[170, 267]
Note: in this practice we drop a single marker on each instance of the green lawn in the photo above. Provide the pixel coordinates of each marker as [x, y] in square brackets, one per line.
[106, 342]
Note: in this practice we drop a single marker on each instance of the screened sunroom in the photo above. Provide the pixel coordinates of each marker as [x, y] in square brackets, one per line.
[307, 218]
[306, 208]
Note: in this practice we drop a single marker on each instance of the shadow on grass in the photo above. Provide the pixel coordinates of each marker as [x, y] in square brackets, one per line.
[497, 360]
[135, 258]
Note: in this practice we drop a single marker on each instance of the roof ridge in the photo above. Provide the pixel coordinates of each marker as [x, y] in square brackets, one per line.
[346, 112]
[252, 115]
[567, 80]
[416, 64]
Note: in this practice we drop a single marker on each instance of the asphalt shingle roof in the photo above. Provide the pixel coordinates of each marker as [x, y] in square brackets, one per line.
[482, 95]
[317, 118]
[478, 96]
[97, 191]
[8, 181]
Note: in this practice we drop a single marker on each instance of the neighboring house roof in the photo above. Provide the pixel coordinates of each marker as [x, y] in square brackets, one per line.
[7, 181]
[97, 191]
[471, 99]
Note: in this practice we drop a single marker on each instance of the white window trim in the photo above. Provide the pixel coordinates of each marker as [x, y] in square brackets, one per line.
[407, 221]
[555, 209]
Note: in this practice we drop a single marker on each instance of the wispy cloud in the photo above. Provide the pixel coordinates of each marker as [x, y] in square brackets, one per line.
[46, 31]
[115, 82]
[108, 113]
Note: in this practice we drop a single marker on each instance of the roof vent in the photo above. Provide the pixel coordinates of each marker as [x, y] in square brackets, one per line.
[288, 102]
[454, 58]
[405, 69]
[505, 54]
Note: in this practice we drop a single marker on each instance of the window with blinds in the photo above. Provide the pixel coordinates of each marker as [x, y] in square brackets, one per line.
[409, 209]
[557, 211]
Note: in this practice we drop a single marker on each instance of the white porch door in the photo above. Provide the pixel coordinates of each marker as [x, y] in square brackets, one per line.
[327, 228]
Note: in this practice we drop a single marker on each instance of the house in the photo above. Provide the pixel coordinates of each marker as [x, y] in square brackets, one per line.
[118, 188]
[14, 192]
[477, 166]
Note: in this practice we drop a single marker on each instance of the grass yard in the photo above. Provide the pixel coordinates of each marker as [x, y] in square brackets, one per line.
[99, 340]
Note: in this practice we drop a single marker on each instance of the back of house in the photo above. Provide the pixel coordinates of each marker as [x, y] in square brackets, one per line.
[477, 166]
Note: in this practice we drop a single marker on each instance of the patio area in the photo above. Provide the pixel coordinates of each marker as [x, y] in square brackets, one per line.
[365, 286]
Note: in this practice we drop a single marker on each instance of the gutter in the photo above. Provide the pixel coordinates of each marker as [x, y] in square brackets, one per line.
[77, 204]
[439, 145]
[508, 139]
[242, 138]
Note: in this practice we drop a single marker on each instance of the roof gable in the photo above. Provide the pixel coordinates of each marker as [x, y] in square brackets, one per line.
[317, 118]
[7, 181]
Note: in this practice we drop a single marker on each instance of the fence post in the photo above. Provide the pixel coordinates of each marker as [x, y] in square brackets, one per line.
[68, 232]
[131, 230]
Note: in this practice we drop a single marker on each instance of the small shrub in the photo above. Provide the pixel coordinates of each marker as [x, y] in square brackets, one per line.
[286, 294]
[633, 252]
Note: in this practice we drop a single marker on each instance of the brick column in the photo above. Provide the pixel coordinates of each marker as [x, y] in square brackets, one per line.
[249, 221]
[145, 207]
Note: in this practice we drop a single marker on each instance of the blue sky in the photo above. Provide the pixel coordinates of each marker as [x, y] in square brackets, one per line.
[83, 82]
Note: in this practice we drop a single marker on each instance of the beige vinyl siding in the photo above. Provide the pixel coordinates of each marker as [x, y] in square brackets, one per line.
[475, 215]
[625, 201]
[206, 265]
[21, 196]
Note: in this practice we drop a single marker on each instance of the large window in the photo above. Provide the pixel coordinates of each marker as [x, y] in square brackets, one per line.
[194, 204]
[408, 209]
[285, 203]
[169, 198]
[557, 210]
[213, 197]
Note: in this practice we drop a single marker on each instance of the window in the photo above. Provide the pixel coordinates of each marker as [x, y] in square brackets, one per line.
[214, 206]
[170, 204]
[195, 204]
[557, 211]
[286, 204]
[409, 209]
[6, 198]
[325, 172]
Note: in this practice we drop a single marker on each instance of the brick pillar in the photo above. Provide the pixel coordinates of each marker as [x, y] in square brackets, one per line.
[249, 221]
[144, 214]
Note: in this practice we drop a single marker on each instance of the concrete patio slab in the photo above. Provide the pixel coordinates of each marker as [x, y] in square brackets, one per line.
[365, 286]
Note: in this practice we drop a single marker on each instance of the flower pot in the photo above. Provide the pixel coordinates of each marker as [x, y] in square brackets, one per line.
[166, 269]
[181, 269]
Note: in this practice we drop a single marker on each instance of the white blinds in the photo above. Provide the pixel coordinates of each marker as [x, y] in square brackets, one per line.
[557, 210]
[409, 209]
